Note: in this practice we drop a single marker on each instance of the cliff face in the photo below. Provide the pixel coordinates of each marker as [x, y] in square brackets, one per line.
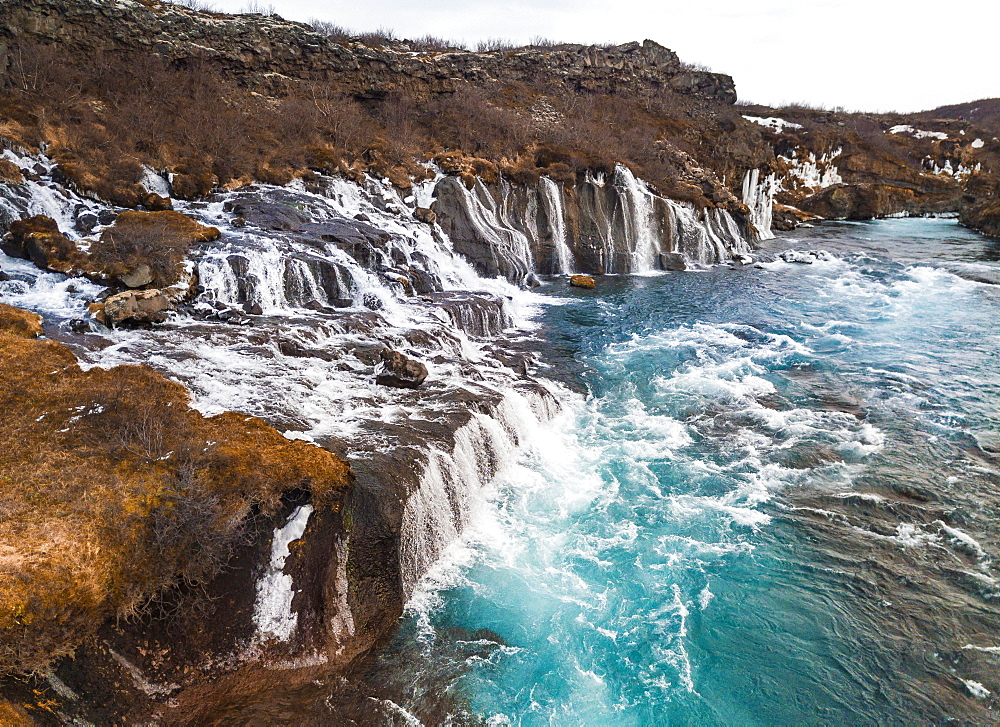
[267, 52]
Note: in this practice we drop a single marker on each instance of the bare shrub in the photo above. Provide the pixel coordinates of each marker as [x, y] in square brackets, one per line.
[253, 7]
[378, 38]
[333, 31]
[491, 45]
[540, 41]
[433, 43]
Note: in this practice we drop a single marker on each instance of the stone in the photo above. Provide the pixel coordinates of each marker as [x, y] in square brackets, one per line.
[86, 222]
[672, 261]
[582, 281]
[106, 217]
[137, 307]
[141, 276]
[425, 214]
[400, 372]
[39, 240]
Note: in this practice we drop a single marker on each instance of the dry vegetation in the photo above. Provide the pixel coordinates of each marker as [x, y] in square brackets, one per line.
[158, 240]
[105, 117]
[113, 490]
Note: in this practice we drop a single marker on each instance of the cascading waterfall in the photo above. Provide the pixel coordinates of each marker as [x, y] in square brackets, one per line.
[361, 273]
[552, 197]
[641, 234]
[758, 196]
[453, 485]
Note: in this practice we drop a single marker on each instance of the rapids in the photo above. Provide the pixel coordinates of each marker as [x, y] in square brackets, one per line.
[777, 504]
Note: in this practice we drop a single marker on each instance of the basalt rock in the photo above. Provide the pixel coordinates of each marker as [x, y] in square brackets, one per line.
[859, 201]
[424, 214]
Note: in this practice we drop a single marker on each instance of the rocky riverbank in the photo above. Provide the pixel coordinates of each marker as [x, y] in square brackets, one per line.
[288, 333]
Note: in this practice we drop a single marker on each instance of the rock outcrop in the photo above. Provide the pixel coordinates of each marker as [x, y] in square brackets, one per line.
[266, 52]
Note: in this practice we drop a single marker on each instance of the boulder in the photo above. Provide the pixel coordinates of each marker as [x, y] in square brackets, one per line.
[400, 371]
[672, 261]
[39, 240]
[156, 203]
[425, 214]
[582, 281]
[86, 222]
[136, 307]
[141, 276]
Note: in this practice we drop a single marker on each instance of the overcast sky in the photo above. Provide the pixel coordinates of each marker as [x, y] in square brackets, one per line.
[867, 55]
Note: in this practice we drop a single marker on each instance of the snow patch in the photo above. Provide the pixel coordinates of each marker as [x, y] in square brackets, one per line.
[273, 611]
[916, 133]
[773, 123]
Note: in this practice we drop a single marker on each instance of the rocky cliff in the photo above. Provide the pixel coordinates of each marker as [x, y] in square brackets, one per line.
[265, 52]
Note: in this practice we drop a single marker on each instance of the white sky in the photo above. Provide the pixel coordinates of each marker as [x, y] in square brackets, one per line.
[867, 55]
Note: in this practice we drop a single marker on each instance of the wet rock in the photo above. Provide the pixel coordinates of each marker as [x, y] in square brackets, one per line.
[401, 372]
[86, 222]
[582, 281]
[362, 217]
[673, 261]
[106, 217]
[239, 222]
[742, 259]
[266, 214]
[425, 214]
[39, 240]
[859, 201]
[253, 309]
[3, 276]
[807, 257]
[137, 307]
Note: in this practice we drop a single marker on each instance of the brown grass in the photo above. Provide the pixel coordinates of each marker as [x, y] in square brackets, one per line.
[105, 117]
[112, 489]
[160, 240]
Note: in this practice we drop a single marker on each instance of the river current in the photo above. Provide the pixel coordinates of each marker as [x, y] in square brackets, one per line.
[776, 504]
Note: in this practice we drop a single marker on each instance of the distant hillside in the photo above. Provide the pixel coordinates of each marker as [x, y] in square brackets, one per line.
[984, 113]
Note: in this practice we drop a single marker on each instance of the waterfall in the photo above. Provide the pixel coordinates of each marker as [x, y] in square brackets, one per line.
[453, 485]
[641, 235]
[552, 198]
[758, 196]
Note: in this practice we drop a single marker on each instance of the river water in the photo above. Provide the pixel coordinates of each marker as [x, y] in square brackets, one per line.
[777, 504]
